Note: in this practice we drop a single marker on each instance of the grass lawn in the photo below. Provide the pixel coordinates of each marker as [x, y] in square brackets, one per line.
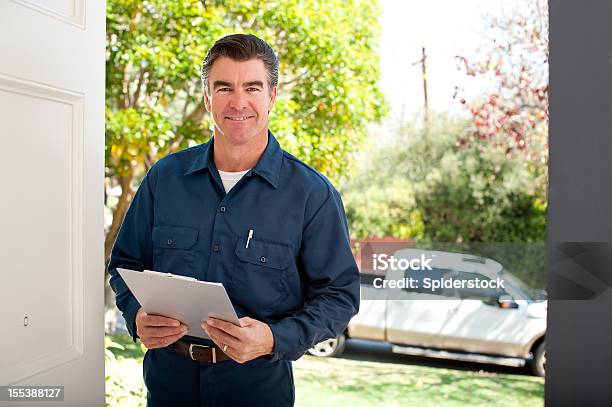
[339, 382]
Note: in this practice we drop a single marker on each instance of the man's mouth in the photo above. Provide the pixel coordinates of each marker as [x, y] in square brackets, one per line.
[238, 118]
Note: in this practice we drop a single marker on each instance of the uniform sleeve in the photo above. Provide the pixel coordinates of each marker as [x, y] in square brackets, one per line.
[133, 250]
[332, 297]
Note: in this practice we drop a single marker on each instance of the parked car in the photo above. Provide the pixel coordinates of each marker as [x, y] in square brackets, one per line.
[505, 326]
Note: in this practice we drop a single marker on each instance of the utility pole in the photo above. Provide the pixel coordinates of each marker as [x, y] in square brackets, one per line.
[422, 61]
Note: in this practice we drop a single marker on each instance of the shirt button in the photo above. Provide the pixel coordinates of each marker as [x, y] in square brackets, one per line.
[222, 209]
[215, 248]
[169, 242]
[262, 259]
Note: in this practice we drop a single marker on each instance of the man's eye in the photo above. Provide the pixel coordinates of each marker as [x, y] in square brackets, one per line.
[223, 90]
[253, 89]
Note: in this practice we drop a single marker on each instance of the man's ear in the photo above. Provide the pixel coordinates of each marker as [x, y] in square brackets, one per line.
[207, 103]
[272, 99]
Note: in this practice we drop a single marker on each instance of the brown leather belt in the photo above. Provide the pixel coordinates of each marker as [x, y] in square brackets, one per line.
[200, 353]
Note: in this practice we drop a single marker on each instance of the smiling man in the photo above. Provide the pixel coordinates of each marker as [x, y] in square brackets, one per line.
[240, 211]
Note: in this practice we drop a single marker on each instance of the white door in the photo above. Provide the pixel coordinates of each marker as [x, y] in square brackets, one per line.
[480, 325]
[419, 318]
[416, 316]
[51, 213]
[484, 327]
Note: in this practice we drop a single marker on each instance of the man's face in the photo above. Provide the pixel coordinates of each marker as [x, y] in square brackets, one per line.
[239, 99]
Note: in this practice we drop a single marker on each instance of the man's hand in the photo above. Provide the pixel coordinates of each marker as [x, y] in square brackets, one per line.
[247, 342]
[156, 331]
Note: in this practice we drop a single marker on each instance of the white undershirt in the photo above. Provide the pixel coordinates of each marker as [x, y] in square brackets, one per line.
[230, 179]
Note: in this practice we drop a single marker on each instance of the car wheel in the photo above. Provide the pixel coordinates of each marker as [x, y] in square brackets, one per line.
[538, 363]
[329, 348]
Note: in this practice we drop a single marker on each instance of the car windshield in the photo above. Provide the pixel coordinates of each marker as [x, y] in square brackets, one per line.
[528, 293]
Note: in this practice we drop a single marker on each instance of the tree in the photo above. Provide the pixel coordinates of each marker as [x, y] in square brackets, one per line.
[328, 89]
[512, 114]
[425, 187]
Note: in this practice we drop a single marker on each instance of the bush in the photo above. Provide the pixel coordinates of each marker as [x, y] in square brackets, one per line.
[426, 186]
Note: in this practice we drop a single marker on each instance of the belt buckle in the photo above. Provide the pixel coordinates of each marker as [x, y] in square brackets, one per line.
[214, 354]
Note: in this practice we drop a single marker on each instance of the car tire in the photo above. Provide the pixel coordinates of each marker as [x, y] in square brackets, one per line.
[329, 348]
[538, 363]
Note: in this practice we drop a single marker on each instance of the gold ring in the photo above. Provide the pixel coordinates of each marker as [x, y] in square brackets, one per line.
[224, 348]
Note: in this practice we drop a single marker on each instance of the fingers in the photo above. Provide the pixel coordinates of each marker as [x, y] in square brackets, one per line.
[245, 343]
[234, 354]
[158, 320]
[224, 326]
[221, 338]
[151, 327]
[157, 331]
[232, 351]
[217, 342]
[246, 321]
[164, 331]
[161, 342]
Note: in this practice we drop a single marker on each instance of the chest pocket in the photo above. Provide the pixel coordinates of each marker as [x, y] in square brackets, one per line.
[174, 249]
[258, 281]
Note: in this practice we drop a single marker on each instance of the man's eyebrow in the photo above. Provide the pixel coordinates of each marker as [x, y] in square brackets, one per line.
[253, 83]
[221, 84]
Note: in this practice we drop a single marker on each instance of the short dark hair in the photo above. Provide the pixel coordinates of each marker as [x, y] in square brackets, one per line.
[242, 47]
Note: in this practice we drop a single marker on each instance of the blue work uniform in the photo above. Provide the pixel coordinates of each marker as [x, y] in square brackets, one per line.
[298, 274]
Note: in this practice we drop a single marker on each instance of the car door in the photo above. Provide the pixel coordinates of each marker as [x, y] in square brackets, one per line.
[481, 325]
[416, 316]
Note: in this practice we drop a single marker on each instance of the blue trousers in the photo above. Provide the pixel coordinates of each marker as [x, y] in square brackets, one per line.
[175, 380]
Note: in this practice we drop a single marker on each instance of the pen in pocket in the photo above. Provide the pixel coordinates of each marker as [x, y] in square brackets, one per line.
[249, 238]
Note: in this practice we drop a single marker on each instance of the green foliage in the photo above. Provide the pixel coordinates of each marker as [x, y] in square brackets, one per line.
[475, 194]
[328, 76]
[123, 380]
[154, 49]
[109, 345]
[388, 209]
[424, 185]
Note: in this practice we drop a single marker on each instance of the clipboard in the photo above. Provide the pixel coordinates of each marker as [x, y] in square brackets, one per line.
[186, 299]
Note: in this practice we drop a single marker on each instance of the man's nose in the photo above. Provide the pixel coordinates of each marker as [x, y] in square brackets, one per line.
[238, 100]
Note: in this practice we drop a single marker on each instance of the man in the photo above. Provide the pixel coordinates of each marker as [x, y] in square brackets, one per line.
[240, 211]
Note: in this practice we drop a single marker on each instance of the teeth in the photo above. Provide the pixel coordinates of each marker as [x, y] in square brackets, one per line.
[239, 118]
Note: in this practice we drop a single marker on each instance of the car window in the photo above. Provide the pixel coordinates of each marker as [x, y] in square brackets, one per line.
[524, 290]
[469, 288]
[425, 279]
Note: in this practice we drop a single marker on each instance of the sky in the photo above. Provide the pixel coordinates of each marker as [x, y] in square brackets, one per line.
[446, 28]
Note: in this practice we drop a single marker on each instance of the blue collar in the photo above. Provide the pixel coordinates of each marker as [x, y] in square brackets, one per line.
[268, 167]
